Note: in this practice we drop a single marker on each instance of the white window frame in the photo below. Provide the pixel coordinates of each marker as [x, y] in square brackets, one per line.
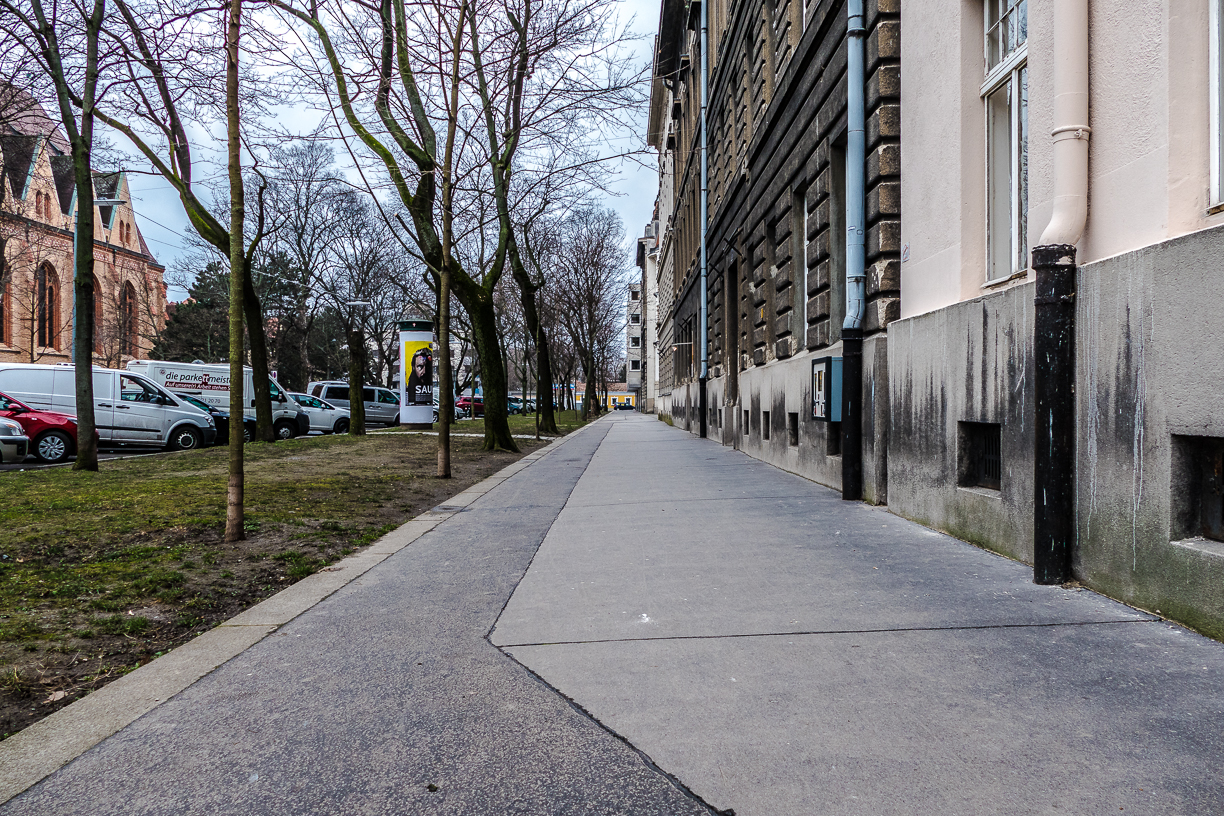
[1006, 72]
[1216, 84]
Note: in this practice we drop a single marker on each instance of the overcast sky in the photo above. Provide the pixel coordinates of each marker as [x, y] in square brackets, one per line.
[164, 225]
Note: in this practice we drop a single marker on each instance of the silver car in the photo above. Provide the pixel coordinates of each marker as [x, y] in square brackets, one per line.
[14, 444]
[324, 416]
[382, 405]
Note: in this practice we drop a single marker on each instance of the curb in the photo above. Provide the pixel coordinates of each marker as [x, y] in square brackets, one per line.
[36, 752]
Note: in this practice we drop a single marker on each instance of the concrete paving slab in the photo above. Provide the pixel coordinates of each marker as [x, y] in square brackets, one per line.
[385, 698]
[750, 549]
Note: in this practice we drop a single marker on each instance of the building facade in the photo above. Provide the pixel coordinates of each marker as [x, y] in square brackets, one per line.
[37, 227]
[776, 283]
[648, 263]
[980, 189]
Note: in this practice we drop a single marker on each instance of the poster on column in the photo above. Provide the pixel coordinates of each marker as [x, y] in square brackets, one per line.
[420, 372]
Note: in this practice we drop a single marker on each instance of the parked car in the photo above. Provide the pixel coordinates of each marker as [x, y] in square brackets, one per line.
[14, 444]
[53, 436]
[210, 383]
[472, 405]
[221, 418]
[382, 405]
[323, 416]
[129, 409]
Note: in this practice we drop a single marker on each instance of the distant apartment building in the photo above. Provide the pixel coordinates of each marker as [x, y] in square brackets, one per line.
[648, 263]
[37, 225]
[634, 350]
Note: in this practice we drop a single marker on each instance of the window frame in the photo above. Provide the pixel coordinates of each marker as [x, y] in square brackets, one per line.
[1009, 73]
[1215, 197]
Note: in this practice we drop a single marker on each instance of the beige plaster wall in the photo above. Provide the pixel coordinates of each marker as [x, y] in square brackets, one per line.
[1149, 162]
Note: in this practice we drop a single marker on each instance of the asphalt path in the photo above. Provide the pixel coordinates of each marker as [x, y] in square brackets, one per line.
[385, 698]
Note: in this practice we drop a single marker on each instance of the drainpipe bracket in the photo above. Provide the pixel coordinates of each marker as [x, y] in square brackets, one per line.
[1080, 132]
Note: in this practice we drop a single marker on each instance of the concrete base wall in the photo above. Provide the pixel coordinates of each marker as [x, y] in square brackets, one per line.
[971, 362]
[784, 387]
[1149, 388]
[1150, 362]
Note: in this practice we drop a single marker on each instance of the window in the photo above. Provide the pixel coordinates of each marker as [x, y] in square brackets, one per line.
[134, 390]
[47, 289]
[799, 228]
[1198, 487]
[635, 365]
[388, 397]
[127, 321]
[337, 392]
[5, 308]
[635, 319]
[1005, 95]
[980, 456]
[764, 424]
[792, 430]
[635, 341]
[635, 294]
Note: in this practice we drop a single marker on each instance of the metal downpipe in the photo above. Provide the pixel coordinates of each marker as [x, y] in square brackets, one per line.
[856, 257]
[704, 315]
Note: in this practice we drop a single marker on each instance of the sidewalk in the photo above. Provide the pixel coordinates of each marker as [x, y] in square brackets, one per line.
[783, 652]
[730, 629]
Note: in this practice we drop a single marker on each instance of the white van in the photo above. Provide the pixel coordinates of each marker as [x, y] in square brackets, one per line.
[211, 383]
[128, 408]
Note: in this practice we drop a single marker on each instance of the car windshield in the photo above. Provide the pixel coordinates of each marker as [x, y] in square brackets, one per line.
[190, 400]
[134, 390]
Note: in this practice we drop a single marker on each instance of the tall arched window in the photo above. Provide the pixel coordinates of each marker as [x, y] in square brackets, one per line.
[5, 306]
[47, 286]
[127, 320]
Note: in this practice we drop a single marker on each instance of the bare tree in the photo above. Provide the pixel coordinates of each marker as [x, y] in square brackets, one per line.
[65, 45]
[590, 267]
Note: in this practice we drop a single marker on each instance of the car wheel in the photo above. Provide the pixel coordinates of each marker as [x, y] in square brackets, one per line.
[341, 426]
[285, 430]
[435, 417]
[52, 447]
[184, 438]
[246, 433]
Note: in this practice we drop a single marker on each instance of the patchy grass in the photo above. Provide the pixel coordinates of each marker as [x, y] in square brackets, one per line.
[520, 425]
[101, 572]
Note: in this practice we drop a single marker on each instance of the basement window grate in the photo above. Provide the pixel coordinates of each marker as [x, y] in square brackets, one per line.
[981, 455]
[1198, 487]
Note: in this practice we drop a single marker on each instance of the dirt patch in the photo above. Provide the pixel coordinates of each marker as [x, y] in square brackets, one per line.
[101, 573]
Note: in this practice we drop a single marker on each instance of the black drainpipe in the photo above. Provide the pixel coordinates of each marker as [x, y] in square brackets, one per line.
[852, 414]
[1054, 384]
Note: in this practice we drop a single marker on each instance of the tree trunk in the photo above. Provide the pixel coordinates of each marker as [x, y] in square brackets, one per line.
[356, 377]
[234, 494]
[493, 376]
[261, 390]
[446, 389]
[531, 315]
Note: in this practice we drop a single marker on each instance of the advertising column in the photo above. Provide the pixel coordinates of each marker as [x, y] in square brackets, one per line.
[416, 372]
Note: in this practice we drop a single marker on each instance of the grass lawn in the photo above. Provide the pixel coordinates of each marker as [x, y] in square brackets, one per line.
[101, 572]
[522, 425]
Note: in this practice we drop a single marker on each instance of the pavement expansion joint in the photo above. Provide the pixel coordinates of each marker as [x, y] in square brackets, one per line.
[819, 632]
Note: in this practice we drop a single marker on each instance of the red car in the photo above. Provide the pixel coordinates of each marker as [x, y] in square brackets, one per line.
[53, 437]
[475, 407]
